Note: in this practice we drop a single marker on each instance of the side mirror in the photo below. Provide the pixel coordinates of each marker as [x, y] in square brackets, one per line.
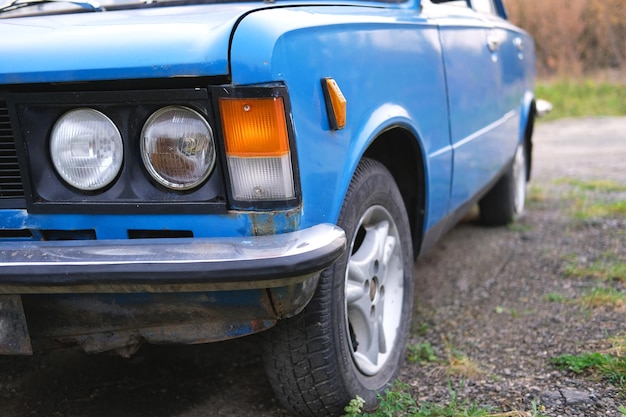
[542, 107]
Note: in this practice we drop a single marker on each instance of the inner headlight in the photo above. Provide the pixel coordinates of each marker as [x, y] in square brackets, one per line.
[177, 147]
[86, 149]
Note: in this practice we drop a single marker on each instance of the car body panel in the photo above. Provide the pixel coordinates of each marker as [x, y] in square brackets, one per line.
[96, 46]
[336, 50]
[485, 92]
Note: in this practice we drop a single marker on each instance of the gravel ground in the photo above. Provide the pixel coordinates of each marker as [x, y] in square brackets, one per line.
[482, 293]
[495, 307]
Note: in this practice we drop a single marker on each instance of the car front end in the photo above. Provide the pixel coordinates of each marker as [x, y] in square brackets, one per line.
[143, 196]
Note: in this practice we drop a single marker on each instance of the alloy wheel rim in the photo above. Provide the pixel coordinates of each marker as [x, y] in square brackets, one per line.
[374, 290]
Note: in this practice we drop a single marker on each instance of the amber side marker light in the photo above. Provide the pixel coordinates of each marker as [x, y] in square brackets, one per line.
[257, 148]
[335, 104]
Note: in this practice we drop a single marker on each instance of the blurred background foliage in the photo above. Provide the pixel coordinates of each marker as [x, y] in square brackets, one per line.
[581, 53]
[575, 38]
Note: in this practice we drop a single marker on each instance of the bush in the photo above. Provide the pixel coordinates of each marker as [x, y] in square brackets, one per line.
[574, 37]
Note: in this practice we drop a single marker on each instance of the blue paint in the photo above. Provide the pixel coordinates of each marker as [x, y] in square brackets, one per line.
[403, 85]
[152, 43]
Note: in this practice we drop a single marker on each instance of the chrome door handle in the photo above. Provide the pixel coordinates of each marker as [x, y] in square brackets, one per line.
[519, 44]
[493, 42]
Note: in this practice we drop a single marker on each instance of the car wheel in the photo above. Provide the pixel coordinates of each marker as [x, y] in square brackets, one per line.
[505, 201]
[350, 339]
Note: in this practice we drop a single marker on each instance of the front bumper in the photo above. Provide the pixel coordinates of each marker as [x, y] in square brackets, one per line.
[168, 265]
[109, 295]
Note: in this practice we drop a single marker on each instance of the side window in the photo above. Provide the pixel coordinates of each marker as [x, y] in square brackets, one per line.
[484, 6]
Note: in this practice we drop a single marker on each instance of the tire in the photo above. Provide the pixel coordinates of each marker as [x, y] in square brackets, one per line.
[505, 202]
[350, 339]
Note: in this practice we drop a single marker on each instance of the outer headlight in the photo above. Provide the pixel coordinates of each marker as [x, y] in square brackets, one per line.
[178, 148]
[86, 149]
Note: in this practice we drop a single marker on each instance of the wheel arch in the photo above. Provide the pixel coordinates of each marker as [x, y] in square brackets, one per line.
[399, 151]
[527, 126]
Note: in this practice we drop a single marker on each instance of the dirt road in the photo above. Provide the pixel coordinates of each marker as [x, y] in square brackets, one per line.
[481, 292]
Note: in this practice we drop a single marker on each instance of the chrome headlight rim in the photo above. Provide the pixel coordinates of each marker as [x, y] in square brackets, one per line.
[102, 179]
[154, 172]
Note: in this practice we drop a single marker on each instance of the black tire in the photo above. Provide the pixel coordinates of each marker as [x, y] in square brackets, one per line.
[322, 358]
[505, 202]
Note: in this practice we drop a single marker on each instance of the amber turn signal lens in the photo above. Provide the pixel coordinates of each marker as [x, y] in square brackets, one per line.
[254, 127]
[336, 104]
[257, 148]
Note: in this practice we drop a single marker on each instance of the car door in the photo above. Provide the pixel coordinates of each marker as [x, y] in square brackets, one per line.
[473, 79]
[515, 53]
[514, 50]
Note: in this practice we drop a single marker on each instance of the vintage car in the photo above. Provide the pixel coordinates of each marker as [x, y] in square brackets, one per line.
[189, 171]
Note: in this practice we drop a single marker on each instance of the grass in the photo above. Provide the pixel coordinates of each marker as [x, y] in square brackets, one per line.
[582, 199]
[609, 364]
[585, 209]
[618, 344]
[603, 186]
[592, 199]
[554, 297]
[519, 227]
[461, 365]
[455, 364]
[572, 98]
[397, 402]
[595, 364]
[597, 297]
[609, 267]
[421, 352]
[603, 297]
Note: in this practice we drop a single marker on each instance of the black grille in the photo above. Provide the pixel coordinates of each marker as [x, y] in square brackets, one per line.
[10, 178]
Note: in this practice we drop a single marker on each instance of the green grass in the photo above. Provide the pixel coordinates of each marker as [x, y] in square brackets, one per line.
[603, 297]
[591, 199]
[519, 227]
[421, 352]
[397, 402]
[455, 363]
[603, 186]
[584, 209]
[607, 366]
[579, 98]
[609, 267]
[554, 297]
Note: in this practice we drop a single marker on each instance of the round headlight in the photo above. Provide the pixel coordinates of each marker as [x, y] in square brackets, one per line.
[86, 149]
[177, 147]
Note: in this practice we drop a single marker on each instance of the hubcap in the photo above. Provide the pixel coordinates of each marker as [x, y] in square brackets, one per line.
[519, 179]
[374, 290]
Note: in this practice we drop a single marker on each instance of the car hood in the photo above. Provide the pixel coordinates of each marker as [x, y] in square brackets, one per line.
[166, 42]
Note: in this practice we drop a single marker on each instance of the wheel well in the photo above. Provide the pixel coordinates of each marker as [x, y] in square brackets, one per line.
[399, 151]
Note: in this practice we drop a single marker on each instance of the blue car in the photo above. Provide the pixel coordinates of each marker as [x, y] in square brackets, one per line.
[190, 171]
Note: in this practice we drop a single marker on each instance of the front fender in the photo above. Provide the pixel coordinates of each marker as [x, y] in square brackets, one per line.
[527, 115]
[403, 87]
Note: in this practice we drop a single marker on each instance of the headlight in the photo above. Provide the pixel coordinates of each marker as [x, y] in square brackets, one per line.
[86, 149]
[177, 147]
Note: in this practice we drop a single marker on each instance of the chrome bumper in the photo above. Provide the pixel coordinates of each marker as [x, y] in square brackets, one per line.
[168, 265]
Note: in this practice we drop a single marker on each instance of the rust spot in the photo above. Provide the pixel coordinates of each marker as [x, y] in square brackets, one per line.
[273, 222]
